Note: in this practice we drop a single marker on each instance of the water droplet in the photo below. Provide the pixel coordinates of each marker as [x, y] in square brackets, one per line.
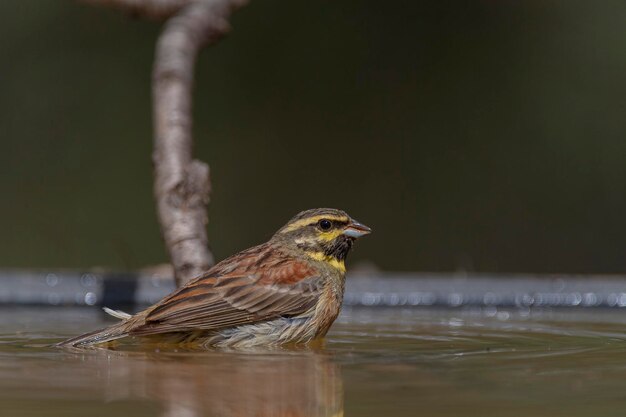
[90, 298]
[393, 299]
[88, 280]
[573, 299]
[503, 315]
[491, 299]
[455, 299]
[590, 299]
[370, 299]
[52, 280]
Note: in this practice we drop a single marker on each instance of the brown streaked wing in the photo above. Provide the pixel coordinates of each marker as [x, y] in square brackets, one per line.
[278, 286]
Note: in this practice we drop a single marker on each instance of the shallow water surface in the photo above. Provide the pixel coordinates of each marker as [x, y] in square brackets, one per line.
[376, 362]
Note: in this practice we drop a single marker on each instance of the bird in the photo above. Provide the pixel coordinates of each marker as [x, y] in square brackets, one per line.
[286, 291]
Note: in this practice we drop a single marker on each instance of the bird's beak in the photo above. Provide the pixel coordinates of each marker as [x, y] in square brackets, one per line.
[356, 229]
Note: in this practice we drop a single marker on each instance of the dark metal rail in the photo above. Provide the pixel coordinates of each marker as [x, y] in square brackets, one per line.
[374, 289]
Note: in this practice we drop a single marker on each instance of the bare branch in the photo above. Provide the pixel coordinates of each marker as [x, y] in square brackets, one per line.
[181, 184]
[155, 9]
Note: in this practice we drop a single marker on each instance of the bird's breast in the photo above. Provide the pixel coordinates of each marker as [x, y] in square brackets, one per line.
[329, 304]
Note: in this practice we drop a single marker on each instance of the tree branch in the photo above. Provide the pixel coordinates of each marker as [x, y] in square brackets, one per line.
[156, 9]
[182, 185]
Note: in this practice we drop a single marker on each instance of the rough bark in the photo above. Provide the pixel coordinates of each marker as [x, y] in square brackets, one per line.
[182, 184]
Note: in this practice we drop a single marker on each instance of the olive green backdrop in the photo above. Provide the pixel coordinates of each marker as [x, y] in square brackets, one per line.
[476, 135]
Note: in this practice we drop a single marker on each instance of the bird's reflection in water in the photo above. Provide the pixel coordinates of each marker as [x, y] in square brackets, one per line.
[289, 384]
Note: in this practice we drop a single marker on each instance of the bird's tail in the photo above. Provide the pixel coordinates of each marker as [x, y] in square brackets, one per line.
[116, 331]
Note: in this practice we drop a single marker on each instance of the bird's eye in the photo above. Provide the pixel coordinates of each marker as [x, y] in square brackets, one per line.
[325, 224]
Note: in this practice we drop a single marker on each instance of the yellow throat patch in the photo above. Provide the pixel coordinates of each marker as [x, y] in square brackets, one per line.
[330, 260]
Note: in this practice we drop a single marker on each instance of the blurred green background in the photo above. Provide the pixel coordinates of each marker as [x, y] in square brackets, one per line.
[472, 135]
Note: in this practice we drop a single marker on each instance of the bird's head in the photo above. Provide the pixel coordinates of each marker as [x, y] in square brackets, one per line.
[322, 234]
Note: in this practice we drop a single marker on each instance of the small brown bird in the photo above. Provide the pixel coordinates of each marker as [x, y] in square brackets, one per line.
[288, 290]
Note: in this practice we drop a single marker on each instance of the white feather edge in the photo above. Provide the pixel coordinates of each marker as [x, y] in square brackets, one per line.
[117, 313]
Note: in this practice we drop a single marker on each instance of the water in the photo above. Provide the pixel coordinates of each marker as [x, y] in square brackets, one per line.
[377, 362]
